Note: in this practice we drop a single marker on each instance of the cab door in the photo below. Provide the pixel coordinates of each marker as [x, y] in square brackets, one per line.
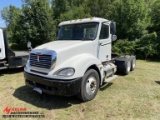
[105, 42]
[2, 46]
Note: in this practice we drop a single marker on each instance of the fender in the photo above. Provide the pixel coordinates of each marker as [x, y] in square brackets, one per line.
[80, 63]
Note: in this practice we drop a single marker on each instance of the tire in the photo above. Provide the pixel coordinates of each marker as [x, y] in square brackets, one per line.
[89, 85]
[133, 62]
[127, 66]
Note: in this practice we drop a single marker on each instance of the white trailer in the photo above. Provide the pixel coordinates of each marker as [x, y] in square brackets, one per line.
[79, 61]
[8, 58]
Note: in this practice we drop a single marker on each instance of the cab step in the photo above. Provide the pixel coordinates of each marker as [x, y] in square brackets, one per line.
[110, 79]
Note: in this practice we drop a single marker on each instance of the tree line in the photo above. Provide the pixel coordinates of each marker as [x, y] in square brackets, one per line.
[138, 22]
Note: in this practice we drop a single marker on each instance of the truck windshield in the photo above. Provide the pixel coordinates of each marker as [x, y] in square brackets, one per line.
[83, 31]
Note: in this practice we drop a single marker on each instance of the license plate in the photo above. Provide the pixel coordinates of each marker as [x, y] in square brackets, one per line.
[38, 90]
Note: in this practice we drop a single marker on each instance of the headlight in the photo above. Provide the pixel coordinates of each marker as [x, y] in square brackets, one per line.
[67, 72]
[26, 66]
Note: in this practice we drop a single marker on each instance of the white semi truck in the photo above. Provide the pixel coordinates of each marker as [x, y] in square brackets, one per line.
[8, 58]
[79, 61]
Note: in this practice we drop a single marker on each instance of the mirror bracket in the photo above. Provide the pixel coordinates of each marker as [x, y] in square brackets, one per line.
[29, 45]
[114, 38]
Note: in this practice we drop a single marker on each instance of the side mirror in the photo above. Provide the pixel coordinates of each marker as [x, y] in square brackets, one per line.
[114, 37]
[29, 45]
[113, 28]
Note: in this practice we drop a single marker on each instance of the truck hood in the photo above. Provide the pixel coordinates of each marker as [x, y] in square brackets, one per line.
[63, 45]
[47, 59]
[66, 50]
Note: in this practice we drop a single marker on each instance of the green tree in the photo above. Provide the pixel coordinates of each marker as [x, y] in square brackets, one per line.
[34, 22]
[39, 24]
[155, 17]
[99, 8]
[147, 46]
[14, 20]
[132, 18]
[75, 3]
[76, 13]
[124, 47]
[59, 7]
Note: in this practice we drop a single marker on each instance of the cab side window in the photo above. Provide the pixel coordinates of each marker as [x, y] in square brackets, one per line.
[104, 34]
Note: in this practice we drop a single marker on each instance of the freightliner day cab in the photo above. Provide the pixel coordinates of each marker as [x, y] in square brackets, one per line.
[79, 61]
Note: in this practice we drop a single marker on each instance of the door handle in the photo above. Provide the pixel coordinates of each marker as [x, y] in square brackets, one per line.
[104, 43]
[0, 50]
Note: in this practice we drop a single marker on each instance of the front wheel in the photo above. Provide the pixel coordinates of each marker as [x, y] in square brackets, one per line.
[89, 86]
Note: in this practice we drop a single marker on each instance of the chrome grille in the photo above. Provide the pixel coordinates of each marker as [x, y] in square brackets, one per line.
[41, 61]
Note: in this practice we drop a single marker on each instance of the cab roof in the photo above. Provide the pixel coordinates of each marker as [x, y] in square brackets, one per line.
[85, 20]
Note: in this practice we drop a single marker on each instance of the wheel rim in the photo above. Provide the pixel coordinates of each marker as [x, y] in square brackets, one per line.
[128, 67]
[91, 85]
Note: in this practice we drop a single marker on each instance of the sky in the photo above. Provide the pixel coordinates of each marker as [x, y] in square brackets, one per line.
[5, 3]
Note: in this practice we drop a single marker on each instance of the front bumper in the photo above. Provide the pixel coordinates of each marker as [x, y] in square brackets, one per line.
[53, 86]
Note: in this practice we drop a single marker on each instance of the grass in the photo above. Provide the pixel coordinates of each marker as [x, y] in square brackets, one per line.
[135, 96]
